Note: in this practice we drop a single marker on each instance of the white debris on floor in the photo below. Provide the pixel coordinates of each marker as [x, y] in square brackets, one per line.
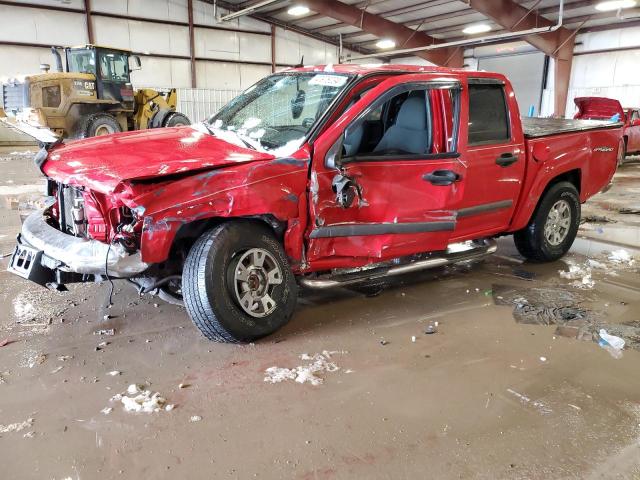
[319, 363]
[541, 407]
[621, 257]
[140, 400]
[580, 274]
[16, 427]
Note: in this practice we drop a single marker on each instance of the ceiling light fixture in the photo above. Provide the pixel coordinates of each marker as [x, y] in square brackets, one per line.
[477, 28]
[298, 10]
[386, 44]
[612, 5]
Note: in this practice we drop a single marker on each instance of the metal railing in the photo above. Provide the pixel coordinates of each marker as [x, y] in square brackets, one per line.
[200, 103]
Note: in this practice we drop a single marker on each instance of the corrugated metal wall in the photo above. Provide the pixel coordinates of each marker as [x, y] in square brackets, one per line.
[218, 48]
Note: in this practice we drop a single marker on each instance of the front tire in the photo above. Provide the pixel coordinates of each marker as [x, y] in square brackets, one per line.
[175, 119]
[237, 284]
[553, 227]
[97, 124]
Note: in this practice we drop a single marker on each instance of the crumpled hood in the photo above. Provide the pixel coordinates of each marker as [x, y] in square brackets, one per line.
[598, 108]
[101, 163]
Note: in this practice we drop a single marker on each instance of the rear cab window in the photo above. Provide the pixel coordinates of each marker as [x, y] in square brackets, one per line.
[489, 121]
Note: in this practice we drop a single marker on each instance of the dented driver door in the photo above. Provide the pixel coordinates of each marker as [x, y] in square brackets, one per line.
[386, 178]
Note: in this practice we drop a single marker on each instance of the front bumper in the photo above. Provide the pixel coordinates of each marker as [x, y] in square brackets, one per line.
[42, 246]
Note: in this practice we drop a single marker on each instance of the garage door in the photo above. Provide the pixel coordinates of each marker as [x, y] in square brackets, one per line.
[525, 72]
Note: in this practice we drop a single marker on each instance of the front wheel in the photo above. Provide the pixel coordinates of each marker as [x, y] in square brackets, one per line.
[553, 227]
[175, 119]
[237, 284]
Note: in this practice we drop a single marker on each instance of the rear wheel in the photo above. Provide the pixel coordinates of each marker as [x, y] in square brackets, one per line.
[237, 284]
[553, 227]
[97, 125]
[175, 119]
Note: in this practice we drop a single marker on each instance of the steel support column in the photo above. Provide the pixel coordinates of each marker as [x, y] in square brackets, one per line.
[403, 36]
[558, 45]
[273, 49]
[192, 46]
[87, 16]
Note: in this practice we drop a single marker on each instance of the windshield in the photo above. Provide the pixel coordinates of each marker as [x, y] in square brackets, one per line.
[276, 114]
[114, 66]
[81, 61]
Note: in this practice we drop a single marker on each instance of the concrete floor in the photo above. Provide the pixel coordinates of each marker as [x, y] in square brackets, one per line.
[485, 397]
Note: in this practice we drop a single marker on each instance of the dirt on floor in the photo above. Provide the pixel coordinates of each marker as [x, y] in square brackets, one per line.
[482, 371]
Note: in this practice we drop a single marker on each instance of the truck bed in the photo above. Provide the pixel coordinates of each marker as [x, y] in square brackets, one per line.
[543, 127]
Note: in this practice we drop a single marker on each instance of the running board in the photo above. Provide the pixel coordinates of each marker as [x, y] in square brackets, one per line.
[452, 255]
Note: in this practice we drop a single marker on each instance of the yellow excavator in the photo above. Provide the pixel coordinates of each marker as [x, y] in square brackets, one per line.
[92, 96]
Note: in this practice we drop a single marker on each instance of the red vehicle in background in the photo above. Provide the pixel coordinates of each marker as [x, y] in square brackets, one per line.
[318, 177]
[601, 108]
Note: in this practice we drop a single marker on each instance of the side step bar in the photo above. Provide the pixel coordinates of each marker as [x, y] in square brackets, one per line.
[484, 247]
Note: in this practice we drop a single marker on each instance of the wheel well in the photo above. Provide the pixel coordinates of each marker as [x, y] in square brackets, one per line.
[572, 176]
[188, 233]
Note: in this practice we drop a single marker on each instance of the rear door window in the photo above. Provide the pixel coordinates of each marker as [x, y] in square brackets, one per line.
[488, 115]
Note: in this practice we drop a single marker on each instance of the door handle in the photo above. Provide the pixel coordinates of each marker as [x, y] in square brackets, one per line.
[506, 159]
[441, 177]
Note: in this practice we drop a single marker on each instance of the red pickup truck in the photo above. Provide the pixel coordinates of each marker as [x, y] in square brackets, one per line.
[601, 108]
[321, 177]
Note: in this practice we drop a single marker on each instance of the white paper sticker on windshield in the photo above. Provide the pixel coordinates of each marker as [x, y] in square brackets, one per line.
[328, 80]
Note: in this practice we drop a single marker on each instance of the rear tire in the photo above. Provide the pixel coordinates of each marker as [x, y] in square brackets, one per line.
[233, 303]
[553, 227]
[175, 119]
[96, 125]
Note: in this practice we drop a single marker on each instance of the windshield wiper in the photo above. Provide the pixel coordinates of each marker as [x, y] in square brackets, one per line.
[247, 144]
[209, 129]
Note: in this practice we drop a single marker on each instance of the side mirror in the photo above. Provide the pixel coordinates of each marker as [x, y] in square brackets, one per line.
[333, 159]
[134, 63]
[635, 123]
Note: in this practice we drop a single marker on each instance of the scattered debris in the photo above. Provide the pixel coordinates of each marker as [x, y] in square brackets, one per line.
[413, 339]
[543, 359]
[612, 340]
[431, 328]
[64, 358]
[101, 345]
[106, 317]
[184, 385]
[16, 427]
[541, 407]
[320, 362]
[195, 418]
[596, 219]
[138, 399]
[581, 275]
[621, 257]
[383, 342]
[105, 331]
[37, 359]
[5, 342]
[57, 369]
[106, 410]
[524, 274]
[575, 407]
[629, 211]
[114, 373]
[542, 306]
